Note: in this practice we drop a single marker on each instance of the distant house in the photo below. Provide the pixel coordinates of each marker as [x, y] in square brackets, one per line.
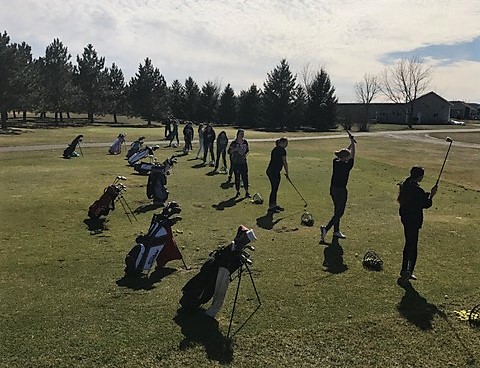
[427, 109]
[463, 110]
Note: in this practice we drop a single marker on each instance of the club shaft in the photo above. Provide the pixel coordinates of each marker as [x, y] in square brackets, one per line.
[294, 187]
[443, 165]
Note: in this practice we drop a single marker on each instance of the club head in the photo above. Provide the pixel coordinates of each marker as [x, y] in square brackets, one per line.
[449, 140]
[121, 177]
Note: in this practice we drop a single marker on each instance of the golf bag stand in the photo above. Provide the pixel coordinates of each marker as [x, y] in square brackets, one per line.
[215, 274]
[135, 147]
[147, 151]
[157, 181]
[116, 147]
[158, 245]
[70, 150]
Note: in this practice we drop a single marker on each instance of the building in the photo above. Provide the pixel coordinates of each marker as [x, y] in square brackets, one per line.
[427, 109]
[464, 111]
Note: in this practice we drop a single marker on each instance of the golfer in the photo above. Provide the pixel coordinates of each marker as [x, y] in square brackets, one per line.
[412, 200]
[201, 130]
[208, 139]
[239, 150]
[278, 161]
[342, 164]
[222, 143]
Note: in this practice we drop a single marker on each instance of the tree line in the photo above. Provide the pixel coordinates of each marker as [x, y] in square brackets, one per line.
[54, 84]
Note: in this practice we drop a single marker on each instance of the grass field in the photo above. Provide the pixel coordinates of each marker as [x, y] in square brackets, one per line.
[61, 306]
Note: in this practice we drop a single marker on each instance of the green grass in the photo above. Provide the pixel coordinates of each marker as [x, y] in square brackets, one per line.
[61, 306]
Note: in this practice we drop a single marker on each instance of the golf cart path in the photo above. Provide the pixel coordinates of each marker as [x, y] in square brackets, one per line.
[412, 135]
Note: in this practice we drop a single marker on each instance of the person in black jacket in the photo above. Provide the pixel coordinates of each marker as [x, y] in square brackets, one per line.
[208, 139]
[342, 165]
[278, 161]
[222, 143]
[412, 199]
[188, 137]
[239, 150]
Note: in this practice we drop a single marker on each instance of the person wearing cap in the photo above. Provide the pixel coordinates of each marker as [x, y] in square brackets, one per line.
[342, 164]
[278, 161]
[412, 199]
[239, 150]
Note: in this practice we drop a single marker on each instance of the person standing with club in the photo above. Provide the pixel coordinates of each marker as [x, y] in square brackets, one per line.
[342, 164]
[239, 150]
[412, 199]
[278, 161]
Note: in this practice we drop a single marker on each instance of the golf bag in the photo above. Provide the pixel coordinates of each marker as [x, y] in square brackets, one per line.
[157, 181]
[158, 245]
[70, 150]
[147, 151]
[135, 147]
[116, 147]
[215, 273]
[106, 202]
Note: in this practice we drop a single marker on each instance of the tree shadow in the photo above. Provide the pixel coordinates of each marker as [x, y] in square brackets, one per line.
[415, 308]
[198, 328]
[226, 204]
[96, 225]
[145, 283]
[333, 258]
[266, 222]
[148, 207]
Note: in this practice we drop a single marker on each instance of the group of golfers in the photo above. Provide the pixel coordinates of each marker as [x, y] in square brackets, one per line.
[412, 198]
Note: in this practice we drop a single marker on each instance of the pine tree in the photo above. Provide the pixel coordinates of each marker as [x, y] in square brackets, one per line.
[192, 99]
[227, 106]
[321, 102]
[177, 100]
[209, 102]
[116, 91]
[250, 107]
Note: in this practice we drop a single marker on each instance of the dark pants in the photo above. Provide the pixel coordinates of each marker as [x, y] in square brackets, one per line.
[208, 146]
[411, 231]
[221, 151]
[188, 144]
[230, 171]
[274, 183]
[339, 198]
[174, 136]
[241, 173]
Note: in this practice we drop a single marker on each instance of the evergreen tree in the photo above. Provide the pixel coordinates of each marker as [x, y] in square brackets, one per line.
[227, 107]
[148, 93]
[92, 80]
[192, 99]
[250, 107]
[23, 78]
[116, 91]
[177, 100]
[6, 86]
[209, 102]
[299, 108]
[279, 97]
[321, 103]
[56, 79]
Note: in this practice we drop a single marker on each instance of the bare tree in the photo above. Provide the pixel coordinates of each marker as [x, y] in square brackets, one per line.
[366, 90]
[404, 81]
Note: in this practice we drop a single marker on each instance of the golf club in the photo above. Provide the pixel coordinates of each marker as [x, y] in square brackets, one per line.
[80, 147]
[450, 140]
[293, 185]
[351, 136]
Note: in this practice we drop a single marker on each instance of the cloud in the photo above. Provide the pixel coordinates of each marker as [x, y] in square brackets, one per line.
[239, 42]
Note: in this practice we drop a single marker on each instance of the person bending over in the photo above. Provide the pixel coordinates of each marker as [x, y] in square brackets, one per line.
[278, 161]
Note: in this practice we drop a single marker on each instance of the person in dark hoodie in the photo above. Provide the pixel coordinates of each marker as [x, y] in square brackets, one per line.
[208, 140]
[188, 137]
[412, 199]
[222, 143]
[239, 150]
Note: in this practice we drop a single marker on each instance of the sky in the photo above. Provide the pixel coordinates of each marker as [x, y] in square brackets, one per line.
[238, 42]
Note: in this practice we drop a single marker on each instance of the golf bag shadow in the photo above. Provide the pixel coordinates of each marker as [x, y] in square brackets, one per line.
[135, 147]
[70, 150]
[215, 274]
[157, 246]
[157, 181]
[116, 147]
[106, 202]
[141, 154]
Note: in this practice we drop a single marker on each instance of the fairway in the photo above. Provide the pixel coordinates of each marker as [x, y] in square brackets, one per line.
[61, 305]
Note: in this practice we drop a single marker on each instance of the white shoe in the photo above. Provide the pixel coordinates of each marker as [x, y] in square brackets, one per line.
[338, 234]
[323, 234]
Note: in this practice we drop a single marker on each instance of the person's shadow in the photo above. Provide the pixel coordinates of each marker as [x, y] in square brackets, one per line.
[147, 207]
[266, 222]
[227, 203]
[145, 283]
[198, 328]
[333, 258]
[96, 225]
[415, 308]
[227, 185]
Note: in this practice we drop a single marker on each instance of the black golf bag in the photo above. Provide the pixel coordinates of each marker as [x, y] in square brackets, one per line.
[116, 147]
[135, 147]
[70, 150]
[214, 275]
[145, 152]
[157, 246]
[157, 181]
[106, 202]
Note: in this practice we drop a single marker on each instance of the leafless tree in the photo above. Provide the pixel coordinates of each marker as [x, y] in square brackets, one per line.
[404, 81]
[366, 90]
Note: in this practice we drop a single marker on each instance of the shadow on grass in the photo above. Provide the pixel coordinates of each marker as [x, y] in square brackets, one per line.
[199, 166]
[198, 328]
[147, 207]
[96, 226]
[333, 258]
[145, 283]
[226, 204]
[415, 308]
[227, 185]
[266, 222]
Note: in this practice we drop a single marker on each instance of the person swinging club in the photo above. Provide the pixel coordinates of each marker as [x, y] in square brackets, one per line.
[278, 161]
[412, 199]
[342, 164]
